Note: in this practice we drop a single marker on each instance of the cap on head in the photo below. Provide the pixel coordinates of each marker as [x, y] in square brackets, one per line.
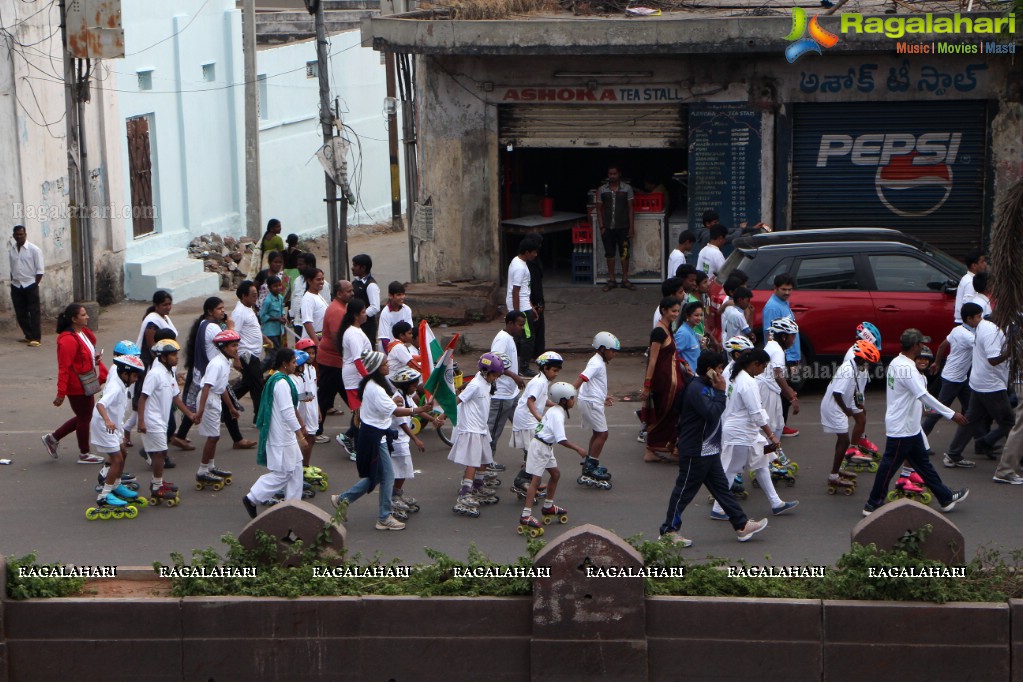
[912, 336]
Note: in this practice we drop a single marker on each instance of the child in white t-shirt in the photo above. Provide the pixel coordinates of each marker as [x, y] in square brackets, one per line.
[395, 311]
[211, 400]
[529, 410]
[159, 393]
[843, 399]
[401, 353]
[733, 318]
[540, 458]
[106, 434]
[308, 413]
[593, 398]
[406, 383]
[470, 439]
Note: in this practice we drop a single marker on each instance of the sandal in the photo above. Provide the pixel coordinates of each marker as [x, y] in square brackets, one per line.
[626, 284]
[611, 284]
[333, 411]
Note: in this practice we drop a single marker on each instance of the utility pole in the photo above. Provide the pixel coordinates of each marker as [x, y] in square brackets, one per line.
[392, 142]
[337, 253]
[253, 221]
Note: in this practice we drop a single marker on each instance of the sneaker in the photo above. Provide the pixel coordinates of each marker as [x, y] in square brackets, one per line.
[982, 448]
[785, 506]
[641, 438]
[1011, 479]
[718, 516]
[789, 432]
[957, 497]
[674, 538]
[390, 523]
[249, 506]
[952, 463]
[51, 445]
[869, 508]
[90, 459]
[322, 439]
[496, 467]
[168, 463]
[750, 529]
[336, 502]
[346, 443]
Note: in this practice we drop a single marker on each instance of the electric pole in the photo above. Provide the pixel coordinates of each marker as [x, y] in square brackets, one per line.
[337, 244]
[253, 221]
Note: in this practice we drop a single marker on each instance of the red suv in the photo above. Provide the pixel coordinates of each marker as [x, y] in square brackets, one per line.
[845, 276]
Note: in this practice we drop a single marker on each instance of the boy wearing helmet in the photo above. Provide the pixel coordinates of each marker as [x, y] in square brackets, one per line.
[540, 457]
[842, 400]
[105, 432]
[159, 393]
[406, 381]
[593, 398]
[529, 411]
[470, 439]
[866, 331]
[773, 382]
[214, 383]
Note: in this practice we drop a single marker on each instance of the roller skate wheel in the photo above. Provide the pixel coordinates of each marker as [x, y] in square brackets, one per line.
[547, 520]
[926, 497]
[117, 513]
[228, 481]
[892, 496]
[520, 530]
[199, 486]
[140, 501]
[131, 512]
[106, 514]
[872, 467]
[580, 481]
[218, 486]
[91, 514]
[832, 490]
[563, 518]
[322, 487]
[605, 485]
[535, 532]
[793, 467]
[174, 502]
[849, 491]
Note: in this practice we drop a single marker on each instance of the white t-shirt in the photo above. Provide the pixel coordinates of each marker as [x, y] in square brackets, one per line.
[906, 388]
[217, 373]
[657, 316]
[398, 358]
[733, 323]
[518, 276]
[986, 378]
[313, 309]
[777, 355]
[246, 323]
[710, 260]
[474, 407]
[310, 409]
[114, 401]
[744, 414]
[537, 388]
[353, 345]
[960, 353]
[984, 302]
[505, 343]
[964, 294]
[847, 382]
[675, 259]
[389, 318]
[398, 422]
[594, 387]
[377, 406]
[157, 319]
[283, 420]
[159, 387]
[552, 426]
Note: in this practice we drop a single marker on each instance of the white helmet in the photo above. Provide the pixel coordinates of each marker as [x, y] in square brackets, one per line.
[550, 359]
[606, 340]
[737, 344]
[503, 357]
[405, 375]
[561, 390]
[784, 325]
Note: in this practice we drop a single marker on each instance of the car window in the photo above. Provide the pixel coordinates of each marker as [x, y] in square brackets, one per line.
[767, 282]
[834, 272]
[904, 273]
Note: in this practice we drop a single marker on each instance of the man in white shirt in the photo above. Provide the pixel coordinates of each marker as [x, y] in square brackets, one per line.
[517, 298]
[906, 389]
[506, 393]
[976, 262]
[26, 273]
[989, 380]
[980, 293]
[711, 260]
[250, 347]
[954, 360]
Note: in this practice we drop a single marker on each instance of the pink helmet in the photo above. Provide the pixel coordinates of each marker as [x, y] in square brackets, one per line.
[225, 337]
[302, 344]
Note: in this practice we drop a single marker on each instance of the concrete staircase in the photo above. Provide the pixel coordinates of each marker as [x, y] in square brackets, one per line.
[171, 270]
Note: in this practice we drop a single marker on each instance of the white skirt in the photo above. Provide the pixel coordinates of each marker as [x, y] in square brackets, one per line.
[772, 406]
[470, 449]
[210, 425]
[539, 458]
[521, 439]
[401, 460]
[155, 441]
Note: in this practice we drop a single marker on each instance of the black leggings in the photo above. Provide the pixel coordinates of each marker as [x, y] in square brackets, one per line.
[330, 386]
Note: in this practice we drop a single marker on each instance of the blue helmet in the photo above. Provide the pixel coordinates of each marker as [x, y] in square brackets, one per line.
[868, 332]
[301, 357]
[127, 347]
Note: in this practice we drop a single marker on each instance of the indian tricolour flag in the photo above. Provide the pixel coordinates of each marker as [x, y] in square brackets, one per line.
[438, 370]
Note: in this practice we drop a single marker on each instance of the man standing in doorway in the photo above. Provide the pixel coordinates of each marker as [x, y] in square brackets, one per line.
[616, 220]
[518, 298]
[26, 274]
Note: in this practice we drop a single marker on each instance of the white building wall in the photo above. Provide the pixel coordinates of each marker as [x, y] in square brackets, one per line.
[292, 180]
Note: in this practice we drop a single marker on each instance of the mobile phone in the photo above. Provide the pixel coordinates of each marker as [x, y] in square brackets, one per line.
[711, 375]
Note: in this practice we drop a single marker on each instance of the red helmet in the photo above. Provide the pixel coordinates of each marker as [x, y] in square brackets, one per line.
[866, 350]
[302, 344]
[225, 337]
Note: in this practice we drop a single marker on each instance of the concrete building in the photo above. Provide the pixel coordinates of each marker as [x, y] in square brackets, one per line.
[705, 103]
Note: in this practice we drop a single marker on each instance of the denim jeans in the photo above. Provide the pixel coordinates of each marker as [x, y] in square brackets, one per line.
[385, 474]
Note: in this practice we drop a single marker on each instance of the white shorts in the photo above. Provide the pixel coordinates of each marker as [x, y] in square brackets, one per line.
[155, 440]
[521, 439]
[210, 425]
[772, 406]
[834, 420]
[470, 449]
[592, 416]
[106, 442]
[539, 458]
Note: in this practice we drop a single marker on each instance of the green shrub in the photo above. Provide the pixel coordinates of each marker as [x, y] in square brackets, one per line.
[34, 587]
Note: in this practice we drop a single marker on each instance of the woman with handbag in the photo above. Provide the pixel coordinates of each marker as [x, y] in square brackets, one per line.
[80, 376]
[663, 380]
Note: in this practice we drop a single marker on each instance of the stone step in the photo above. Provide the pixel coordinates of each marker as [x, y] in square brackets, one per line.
[171, 270]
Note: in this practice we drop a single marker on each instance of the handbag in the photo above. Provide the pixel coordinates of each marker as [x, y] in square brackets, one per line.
[90, 382]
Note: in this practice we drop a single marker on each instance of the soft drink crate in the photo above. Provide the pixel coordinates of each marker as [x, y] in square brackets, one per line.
[648, 203]
[582, 232]
[582, 268]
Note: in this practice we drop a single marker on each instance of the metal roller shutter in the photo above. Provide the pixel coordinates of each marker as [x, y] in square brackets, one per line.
[612, 125]
[918, 167]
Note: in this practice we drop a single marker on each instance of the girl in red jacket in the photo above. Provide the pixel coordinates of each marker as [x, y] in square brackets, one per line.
[80, 375]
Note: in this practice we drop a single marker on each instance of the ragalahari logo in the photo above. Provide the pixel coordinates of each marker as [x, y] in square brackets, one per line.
[817, 39]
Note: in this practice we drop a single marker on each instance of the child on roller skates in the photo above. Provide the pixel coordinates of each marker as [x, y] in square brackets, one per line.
[470, 439]
[734, 348]
[528, 413]
[844, 399]
[159, 394]
[106, 435]
[214, 383]
[406, 381]
[540, 457]
[282, 437]
[593, 398]
[865, 331]
[774, 385]
[124, 347]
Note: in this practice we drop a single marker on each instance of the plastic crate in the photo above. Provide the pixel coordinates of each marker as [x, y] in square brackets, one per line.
[582, 233]
[648, 203]
[582, 268]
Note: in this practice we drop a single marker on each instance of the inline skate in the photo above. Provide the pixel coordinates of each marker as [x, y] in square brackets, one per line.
[490, 479]
[208, 479]
[910, 486]
[410, 502]
[738, 489]
[167, 492]
[528, 525]
[553, 512]
[865, 446]
[110, 506]
[594, 475]
[315, 477]
[521, 485]
[859, 461]
[467, 505]
[485, 495]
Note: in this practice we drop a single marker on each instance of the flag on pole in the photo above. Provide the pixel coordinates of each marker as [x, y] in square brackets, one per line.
[440, 381]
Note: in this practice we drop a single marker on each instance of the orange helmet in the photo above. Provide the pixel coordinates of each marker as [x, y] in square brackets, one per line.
[866, 350]
[302, 344]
